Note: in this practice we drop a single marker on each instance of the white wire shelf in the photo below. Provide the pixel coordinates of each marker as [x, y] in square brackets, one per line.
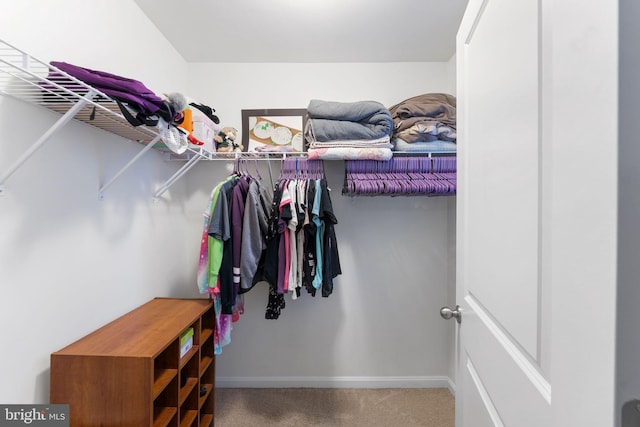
[26, 78]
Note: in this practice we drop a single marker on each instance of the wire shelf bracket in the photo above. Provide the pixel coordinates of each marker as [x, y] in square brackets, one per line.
[125, 167]
[184, 169]
[43, 139]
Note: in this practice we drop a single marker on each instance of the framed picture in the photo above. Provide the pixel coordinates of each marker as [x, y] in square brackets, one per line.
[273, 130]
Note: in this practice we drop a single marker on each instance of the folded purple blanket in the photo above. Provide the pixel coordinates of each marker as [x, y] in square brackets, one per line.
[124, 89]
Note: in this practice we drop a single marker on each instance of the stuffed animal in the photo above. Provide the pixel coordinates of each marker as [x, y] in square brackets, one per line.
[226, 140]
[174, 104]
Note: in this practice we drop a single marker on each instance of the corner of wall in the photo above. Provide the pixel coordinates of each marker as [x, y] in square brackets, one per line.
[451, 73]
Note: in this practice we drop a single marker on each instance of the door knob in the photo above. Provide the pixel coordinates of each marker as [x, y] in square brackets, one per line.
[447, 313]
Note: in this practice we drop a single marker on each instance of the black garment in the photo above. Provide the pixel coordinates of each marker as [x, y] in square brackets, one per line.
[236, 209]
[331, 259]
[309, 247]
[268, 265]
[226, 267]
[220, 228]
[274, 305]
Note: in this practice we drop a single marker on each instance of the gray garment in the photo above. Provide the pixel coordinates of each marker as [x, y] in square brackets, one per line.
[220, 225]
[254, 230]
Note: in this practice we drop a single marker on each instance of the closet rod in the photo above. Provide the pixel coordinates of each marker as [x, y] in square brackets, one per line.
[243, 155]
[297, 154]
[200, 155]
[429, 154]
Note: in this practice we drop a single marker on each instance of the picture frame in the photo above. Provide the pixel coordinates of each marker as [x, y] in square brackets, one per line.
[273, 130]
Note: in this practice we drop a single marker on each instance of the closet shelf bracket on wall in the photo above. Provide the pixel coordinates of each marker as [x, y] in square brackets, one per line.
[125, 167]
[176, 176]
[26, 78]
[44, 138]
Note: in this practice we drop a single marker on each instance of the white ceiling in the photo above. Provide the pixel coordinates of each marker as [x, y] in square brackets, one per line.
[308, 30]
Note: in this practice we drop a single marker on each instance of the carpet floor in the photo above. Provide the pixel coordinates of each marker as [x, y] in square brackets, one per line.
[289, 407]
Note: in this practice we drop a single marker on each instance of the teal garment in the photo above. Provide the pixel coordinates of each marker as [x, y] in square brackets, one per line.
[315, 212]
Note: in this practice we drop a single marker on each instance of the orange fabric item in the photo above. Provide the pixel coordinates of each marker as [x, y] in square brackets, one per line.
[187, 123]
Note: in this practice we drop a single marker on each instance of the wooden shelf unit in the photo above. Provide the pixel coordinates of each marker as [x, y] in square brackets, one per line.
[130, 373]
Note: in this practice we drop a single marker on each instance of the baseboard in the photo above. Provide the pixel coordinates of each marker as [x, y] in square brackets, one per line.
[336, 382]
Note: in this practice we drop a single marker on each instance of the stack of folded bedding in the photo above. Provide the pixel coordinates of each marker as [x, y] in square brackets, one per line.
[348, 130]
[425, 123]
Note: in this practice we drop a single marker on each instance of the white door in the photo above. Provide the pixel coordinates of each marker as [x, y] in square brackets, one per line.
[536, 213]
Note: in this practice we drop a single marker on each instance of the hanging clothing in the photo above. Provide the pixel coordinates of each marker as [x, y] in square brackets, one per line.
[310, 247]
[267, 270]
[209, 266]
[220, 229]
[300, 209]
[306, 219]
[317, 280]
[331, 264]
[238, 199]
[268, 267]
[255, 225]
[253, 234]
[203, 263]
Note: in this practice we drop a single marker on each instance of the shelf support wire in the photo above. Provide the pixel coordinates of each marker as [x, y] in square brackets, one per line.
[66, 117]
[149, 145]
[270, 173]
[184, 169]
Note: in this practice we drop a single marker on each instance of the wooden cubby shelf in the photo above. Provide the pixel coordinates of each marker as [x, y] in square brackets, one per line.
[130, 371]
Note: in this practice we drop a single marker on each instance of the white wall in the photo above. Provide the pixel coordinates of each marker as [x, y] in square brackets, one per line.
[628, 316]
[230, 88]
[69, 263]
[451, 74]
[382, 325]
[109, 35]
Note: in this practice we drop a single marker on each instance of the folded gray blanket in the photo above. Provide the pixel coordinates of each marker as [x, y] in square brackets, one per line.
[340, 121]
